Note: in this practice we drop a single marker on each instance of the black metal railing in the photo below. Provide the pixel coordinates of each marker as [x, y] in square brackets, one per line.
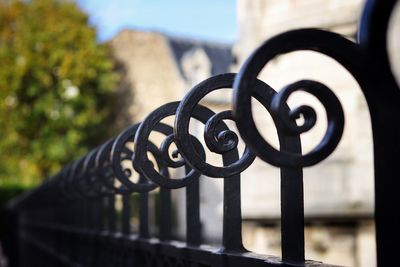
[71, 220]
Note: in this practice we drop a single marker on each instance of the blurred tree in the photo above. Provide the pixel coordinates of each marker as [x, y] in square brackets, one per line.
[56, 85]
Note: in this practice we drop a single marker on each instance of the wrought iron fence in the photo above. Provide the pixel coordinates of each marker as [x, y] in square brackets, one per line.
[71, 219]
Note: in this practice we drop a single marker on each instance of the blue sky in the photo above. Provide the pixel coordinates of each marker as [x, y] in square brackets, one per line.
[201, 19]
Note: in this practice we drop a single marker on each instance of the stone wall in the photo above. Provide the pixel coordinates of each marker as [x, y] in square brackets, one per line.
[150, 75]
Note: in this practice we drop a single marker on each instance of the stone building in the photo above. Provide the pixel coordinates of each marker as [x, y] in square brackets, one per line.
[157, 69]
[338, 192]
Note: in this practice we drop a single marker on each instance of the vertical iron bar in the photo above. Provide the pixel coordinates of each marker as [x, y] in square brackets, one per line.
[292, 204]
[165, 214]
[126, 214]
[193, 224]
[232, 214]
[111, 214]
[144, 215]
[292, 216]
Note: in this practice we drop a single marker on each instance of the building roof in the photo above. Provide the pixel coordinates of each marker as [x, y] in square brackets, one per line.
[220, 55]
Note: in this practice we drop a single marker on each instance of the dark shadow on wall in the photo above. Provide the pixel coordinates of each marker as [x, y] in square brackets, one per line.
[124, 96]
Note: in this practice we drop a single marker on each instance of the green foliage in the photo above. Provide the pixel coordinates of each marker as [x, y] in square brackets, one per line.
[56, 87]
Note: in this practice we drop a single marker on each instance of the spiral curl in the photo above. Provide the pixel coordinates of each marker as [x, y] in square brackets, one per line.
[119, 153]
[173, 161]
[328, 43]
[218, 137]
[220, 141]
[140, 159]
